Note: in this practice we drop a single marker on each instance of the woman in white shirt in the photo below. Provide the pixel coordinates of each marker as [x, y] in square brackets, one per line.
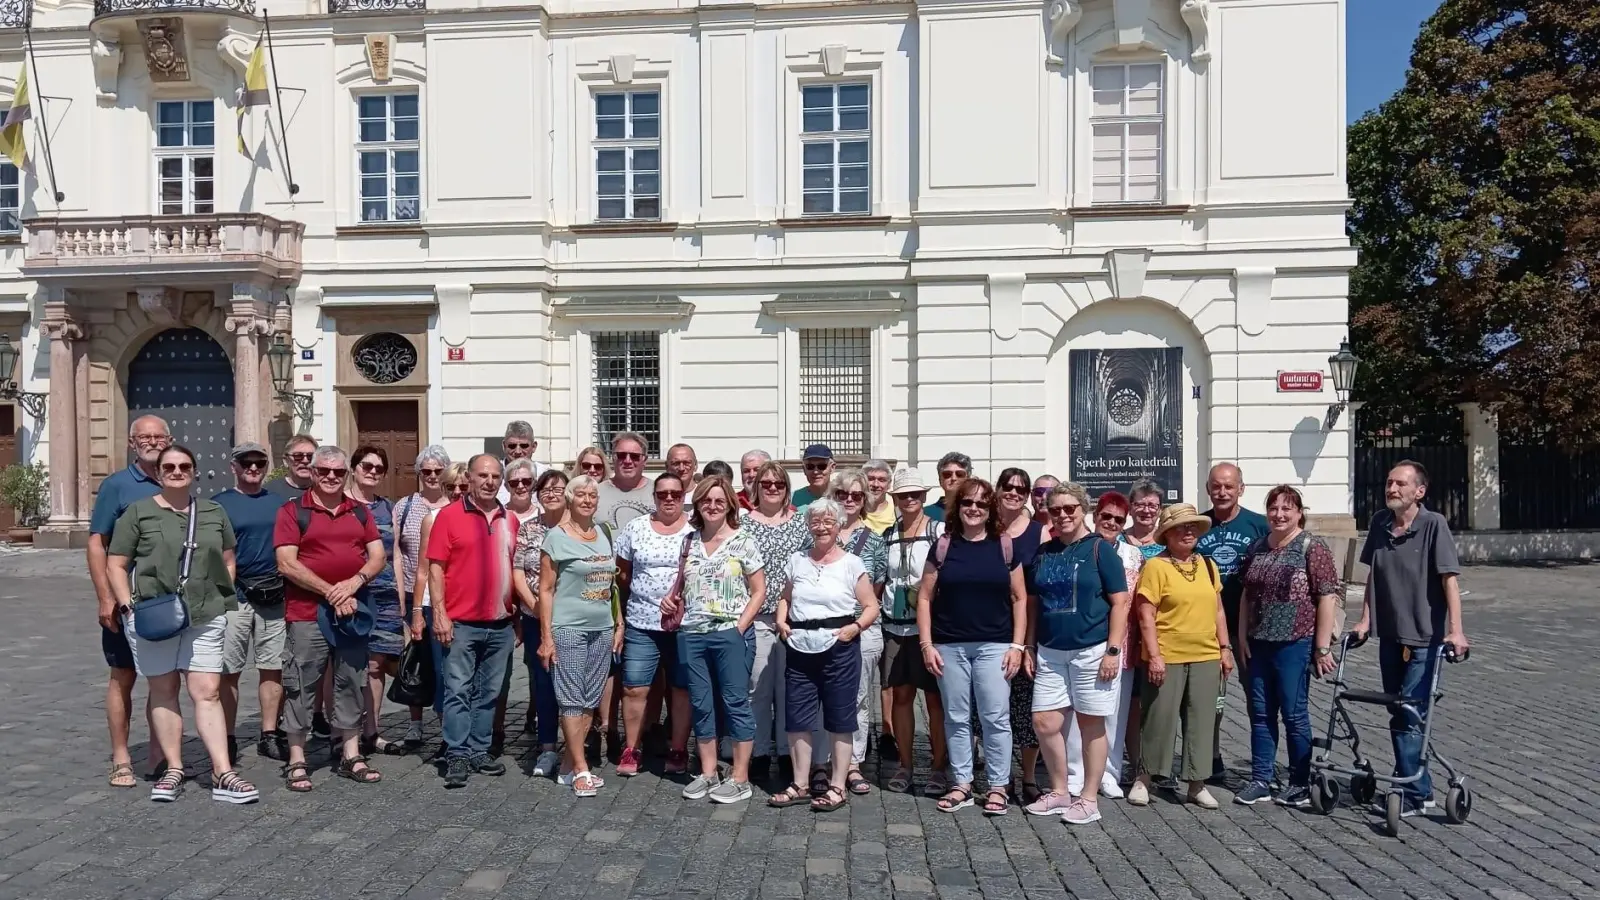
[817, 618]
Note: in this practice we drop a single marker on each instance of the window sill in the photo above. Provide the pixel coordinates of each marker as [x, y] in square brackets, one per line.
[634, 226]
[380, 228]
[835, 222]
[1119, 211]
[11, 238]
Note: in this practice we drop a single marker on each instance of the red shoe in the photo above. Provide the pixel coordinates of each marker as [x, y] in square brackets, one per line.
[677, 762]
[628, 765]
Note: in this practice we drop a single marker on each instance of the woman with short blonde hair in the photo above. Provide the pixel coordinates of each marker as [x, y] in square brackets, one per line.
[591, 461]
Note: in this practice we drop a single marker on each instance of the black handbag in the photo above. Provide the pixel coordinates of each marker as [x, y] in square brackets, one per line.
[265, 592]
[165, 616]
[413, 683]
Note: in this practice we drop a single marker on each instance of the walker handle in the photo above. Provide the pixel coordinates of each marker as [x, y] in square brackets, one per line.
[1353, 640]
[1452, 655]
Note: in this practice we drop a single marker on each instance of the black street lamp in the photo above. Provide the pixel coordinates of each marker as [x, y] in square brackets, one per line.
[1342, 367]
[31, 402]
[280, 356]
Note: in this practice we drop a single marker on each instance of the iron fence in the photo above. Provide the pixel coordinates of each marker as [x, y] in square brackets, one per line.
[1434, 438]
[1544, 485]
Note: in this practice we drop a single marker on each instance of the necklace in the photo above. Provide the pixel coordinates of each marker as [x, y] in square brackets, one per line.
[591, 533]
[1191, 573]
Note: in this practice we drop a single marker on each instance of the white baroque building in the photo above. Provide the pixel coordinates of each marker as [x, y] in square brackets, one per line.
[888, 226]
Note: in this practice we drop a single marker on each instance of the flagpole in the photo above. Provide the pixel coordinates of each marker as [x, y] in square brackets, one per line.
[277, 101]
[44, 116]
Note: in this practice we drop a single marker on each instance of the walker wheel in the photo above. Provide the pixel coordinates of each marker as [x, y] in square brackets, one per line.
[1458, 804]
[1324, 794]
[1363, 788]
[1391, 814]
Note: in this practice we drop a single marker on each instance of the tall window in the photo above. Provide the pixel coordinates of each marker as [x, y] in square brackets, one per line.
[10, 193]
[836, 389]
[836, 149]
[186, 132]
[627, 386]
[627, 155]
[1127, 122]
[389, 149]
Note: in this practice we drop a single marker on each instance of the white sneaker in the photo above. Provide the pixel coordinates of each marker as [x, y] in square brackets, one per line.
[1110, 789]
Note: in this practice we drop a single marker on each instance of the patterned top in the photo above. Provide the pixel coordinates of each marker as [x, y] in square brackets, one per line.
[874, 555]
[714, 588]
[654, 558]
[409, 514]
[382, 584]
[530, 540]
[1281, 586]
[909, 557]
[777, 543]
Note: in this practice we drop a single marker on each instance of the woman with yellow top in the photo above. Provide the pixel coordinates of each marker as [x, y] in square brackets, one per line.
[1186, 651]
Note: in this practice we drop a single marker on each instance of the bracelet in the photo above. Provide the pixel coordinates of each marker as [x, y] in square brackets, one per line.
[1019, 648]
[925, 644]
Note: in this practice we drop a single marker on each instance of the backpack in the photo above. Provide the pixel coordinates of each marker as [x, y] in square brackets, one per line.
[942, 547]
[302, 515]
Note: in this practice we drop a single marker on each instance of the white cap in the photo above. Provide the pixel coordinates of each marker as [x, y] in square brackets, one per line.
[908, 481]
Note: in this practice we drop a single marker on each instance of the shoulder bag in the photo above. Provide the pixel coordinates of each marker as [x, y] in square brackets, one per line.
[674, 599]
[167, 615]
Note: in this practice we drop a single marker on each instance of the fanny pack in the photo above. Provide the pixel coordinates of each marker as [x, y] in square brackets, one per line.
[265, 591]
[166, 616]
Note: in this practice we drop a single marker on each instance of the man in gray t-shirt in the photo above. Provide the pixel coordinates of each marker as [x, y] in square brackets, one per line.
[627, 494]
[1414, 597]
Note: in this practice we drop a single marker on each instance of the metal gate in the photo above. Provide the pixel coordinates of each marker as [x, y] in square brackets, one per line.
[1434, 438]
[1545, 484]
[185, 377]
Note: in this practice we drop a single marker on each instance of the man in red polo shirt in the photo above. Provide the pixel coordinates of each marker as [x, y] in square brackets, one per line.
[328, 548]
[469, 578]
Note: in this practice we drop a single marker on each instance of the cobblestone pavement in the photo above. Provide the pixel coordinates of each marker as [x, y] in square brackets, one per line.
[1529, 748]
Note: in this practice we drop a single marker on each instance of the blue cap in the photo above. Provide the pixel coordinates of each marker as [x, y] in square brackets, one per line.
[817, 451]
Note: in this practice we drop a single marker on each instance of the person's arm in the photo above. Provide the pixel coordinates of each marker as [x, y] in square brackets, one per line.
[930, 654]
[867, 596]
[1012, 662]
[1155, 666]
[782, 615]
[547, 609]
[756, 583]
[1447, 562]
[1364, 623]
[290, 567]
[231, 560]
[1223, 640]
[419, 583]
[98, 574]
[444, 631]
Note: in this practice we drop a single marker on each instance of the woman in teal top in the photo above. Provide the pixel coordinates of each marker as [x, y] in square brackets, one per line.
[580, 630]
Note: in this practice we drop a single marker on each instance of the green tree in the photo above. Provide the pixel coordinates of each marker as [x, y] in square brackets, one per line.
[1477, 216]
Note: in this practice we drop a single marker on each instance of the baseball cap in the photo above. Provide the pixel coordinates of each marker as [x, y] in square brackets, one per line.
[817, 451]
[247, 448]
[908, 481]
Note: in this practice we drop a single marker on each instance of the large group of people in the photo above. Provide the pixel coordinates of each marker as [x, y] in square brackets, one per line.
[1095, 633]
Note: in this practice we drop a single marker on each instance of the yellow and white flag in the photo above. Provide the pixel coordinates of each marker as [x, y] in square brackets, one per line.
[254, 92]
[12, 143]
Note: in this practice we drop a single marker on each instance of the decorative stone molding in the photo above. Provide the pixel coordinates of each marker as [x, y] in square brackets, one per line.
[1130, 22]
[634, 306]
[166, 52]
[1197, 15]
[234, 48]
[622, 67]
[306, 328]
[1252, 295]
[1126, 270]
[1005, 303]
[58, 323]
[875, 303]
[1130, 17]
[380, 57]
[162, 304]
[107, 57]
[1062, 16]
[833, 59]
[455, 313]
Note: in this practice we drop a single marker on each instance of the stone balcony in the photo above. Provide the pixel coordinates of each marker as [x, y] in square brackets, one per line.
[103, 8]
[94, 251]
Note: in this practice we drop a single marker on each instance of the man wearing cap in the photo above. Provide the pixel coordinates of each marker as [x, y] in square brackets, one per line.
[954, 469]
[818, 462]
[258, 622]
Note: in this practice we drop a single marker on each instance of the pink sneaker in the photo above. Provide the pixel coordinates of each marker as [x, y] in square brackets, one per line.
[677, 762]
[1082, 812]
[628, 765]
[1049, 803]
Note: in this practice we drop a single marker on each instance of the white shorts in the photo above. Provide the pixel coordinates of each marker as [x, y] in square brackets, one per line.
[1071, 678]
[197, 649]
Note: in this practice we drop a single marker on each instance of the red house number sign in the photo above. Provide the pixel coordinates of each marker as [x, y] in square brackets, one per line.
[1290, 382]
[456, 354]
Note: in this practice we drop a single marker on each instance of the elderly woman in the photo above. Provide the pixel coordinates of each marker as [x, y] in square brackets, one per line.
[579, 629]
[521, 506]
[176, 543]
[1017, 523]
[433, 493]
[723, 588]
[971, 618]
[828, 604]
[650, 556]
[591, 461]
[1078, 614]
[368, 466]
[779, 533]
[1293, 602]
[1144, 510]
[1186, 652]
[879, 514]
[908, 544]
[551, 487]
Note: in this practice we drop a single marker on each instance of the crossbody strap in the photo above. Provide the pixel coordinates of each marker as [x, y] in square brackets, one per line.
[188, 544]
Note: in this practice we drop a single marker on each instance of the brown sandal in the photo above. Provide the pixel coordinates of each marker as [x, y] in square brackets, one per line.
[833, 798]
[299, 783]
[793, 795]
[857, 783]
[996, 803]
[122, 776]
[364, 775]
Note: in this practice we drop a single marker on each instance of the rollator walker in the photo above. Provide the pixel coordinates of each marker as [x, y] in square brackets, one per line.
[1364, 779]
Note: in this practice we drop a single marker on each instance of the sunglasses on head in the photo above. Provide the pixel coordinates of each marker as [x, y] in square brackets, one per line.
[669, 495]
[254, 462]
[372, 468]
[520, 483]
[175, 468]
[849, 496]
[302, 457]
[327, 472]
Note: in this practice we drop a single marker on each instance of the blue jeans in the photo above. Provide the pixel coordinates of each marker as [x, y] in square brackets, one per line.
[1408, 671]
[474, 668]
[541, 687]
[436, 650]
[1280, 683]
[718, 665]
[975, 668]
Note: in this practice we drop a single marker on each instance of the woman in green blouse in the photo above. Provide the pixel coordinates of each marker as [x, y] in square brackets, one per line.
[145, 561]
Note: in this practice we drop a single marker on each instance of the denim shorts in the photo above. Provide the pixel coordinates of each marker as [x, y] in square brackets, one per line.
[645, 652]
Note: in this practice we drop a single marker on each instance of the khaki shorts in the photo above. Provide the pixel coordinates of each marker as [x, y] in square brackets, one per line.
[263, 627]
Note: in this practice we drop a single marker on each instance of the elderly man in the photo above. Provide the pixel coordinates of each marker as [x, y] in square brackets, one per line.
[1414, 595]
[627, 494]
[298, 453]
[879, 509]
[817, 460]
[328, 549]
[518, 443]
[748, 464]
[470, 548]
[147, 438]
[954, 469]
[682, 462]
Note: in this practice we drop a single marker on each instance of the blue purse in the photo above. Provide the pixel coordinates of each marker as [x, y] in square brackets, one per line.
[166, 616]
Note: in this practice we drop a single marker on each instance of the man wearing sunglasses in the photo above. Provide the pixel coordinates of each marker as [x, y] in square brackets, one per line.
[628, 494]
[954, 468]
[818, 462]
[299, 479]
[519, 443]
[258, 622]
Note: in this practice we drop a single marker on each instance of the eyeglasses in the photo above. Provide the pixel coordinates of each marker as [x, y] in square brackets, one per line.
[1111, 517]
[372, 468]
[629, 457]
[430, 473]
[1041, 491]
[175, 468]
[1066, 509]
[1021, 490]
[713, 502]
[849, 496]
[326, 472]
[772, 484]
[918, 496]
[256, 463]
[974, 504]
[817, 466]
[156, 439]
[592, 467]
[520, 483]
[952, 474]
[517, 445]
[669, 495]
[1148, 507]
[457, 488]
[553, 489]
[302, 457]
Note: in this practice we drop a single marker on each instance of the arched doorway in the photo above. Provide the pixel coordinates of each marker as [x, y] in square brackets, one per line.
[184, 376]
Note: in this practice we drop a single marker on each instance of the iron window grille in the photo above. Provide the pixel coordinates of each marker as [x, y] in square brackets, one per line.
[627, 156]
[186, 132]
[836, 389]
[1127, 118]
[627, 387]
[10, 192]
[389, 156]
[836, 149]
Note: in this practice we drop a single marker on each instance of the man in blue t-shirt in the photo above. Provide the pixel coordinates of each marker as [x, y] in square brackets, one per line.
[148, 436]
[1233, 530]
[252, 508]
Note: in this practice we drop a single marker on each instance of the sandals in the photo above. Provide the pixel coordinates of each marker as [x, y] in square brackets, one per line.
[900, 782]
[585, 784]
[364, 775]
[793, 795]
[857, 783]
[122, 776]
[938, 783]
[819, 782]
[831, 799]
[168, 786]
[958, 797]
[995, 803]
[297, 778]
[230, 787]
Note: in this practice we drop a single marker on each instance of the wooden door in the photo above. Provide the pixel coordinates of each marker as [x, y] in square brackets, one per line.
[8, 455]
[392, 425]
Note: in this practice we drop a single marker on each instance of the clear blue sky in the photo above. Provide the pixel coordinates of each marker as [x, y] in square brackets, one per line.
[1378, 48]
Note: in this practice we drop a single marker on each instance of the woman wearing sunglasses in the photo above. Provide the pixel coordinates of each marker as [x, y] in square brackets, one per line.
[543, 711]
[591, 461]
[1017, 523]
[910, 542]
[411, 516]
[779, 533]
[971, 619]
[145, 562]
[370, 464]
[517, 493]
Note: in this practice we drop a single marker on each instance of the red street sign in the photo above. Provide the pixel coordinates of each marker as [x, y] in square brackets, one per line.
[1299, 381]
[455, 354]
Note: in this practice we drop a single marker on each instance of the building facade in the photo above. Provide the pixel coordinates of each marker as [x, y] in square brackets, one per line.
[1082, 237]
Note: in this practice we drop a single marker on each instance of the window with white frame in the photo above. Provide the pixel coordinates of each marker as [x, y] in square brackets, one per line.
[389, 157]
[836, 389]
[836, 149]
[627, 386]
[10, 193]
[186, 137]
[1127, 121]
[627, 155]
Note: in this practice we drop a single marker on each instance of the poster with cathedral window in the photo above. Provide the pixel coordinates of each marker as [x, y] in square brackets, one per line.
[1127, 419]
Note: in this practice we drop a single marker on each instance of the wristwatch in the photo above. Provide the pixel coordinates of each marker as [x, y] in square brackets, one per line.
[1324, 651]
[1113, 651]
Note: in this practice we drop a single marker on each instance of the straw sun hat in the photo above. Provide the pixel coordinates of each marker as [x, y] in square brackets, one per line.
[1180, 514]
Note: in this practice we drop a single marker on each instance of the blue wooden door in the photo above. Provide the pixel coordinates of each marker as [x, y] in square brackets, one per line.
[184, 376]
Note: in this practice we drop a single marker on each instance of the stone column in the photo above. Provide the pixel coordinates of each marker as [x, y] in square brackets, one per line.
[249, 318]
[66, 335]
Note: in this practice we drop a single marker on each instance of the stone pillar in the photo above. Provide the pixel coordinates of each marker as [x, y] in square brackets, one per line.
[249, 318]
[1482, 432]
[66, 335]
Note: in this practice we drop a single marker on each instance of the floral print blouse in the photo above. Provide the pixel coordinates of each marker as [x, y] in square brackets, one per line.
[777, 543]
[1281, 586]
[714, 589]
